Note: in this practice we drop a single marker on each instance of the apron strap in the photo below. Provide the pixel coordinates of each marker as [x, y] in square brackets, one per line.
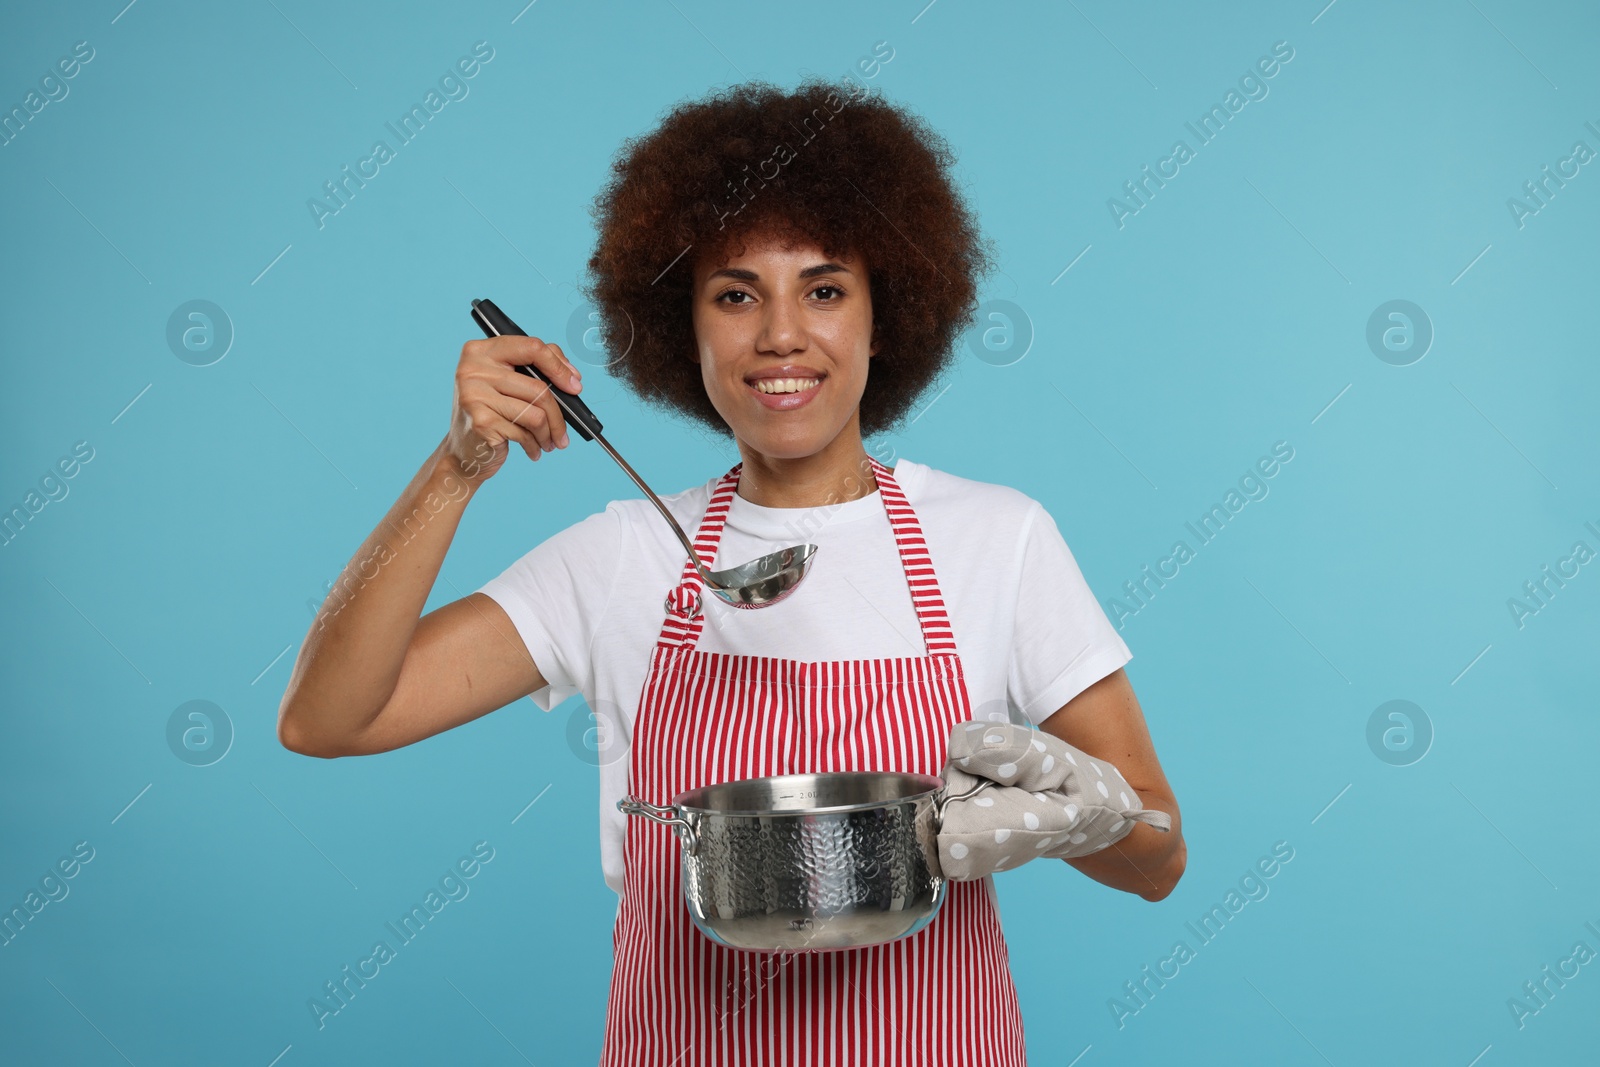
[685, 607]
[685, 603]
[918, 565]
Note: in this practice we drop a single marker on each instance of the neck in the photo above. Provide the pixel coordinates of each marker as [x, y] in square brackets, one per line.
[838, 473]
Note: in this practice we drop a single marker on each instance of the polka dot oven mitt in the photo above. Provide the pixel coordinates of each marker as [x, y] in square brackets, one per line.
[1044, 798]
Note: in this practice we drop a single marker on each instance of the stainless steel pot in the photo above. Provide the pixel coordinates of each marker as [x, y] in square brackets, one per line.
[810, 862]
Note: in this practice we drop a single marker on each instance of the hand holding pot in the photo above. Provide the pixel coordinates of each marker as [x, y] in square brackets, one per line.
[1048, 798]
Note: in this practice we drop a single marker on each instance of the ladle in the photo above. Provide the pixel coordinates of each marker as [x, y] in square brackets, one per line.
[756, 584]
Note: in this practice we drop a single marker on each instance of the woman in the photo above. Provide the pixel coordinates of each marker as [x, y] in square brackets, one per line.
[793, 270]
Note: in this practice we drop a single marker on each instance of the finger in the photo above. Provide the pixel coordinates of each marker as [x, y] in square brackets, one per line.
[529, 392]
[513, 351]
[553, 364]
[525, 405]
[524, 438]
[531, 416]
[561, 369]
[489, 424]
[532, 353]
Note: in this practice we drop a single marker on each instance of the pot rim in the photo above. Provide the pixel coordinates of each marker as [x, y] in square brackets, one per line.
[934, 783]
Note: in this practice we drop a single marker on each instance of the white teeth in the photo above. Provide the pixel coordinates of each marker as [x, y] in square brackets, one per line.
[786, 385]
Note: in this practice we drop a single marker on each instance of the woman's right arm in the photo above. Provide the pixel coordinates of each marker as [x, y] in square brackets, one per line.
[372, 675]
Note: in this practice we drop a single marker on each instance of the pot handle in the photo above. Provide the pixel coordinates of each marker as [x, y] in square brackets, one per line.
[665, 815]
[943, 799]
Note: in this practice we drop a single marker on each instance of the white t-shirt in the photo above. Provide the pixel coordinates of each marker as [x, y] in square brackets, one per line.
[588, 602]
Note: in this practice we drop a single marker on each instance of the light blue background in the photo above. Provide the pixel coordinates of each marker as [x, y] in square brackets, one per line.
[1225, 316]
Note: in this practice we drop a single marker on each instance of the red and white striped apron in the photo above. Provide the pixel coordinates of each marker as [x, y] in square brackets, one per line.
[942, 996]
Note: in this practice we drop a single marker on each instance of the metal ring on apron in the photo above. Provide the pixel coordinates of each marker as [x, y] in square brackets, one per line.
[671, 605]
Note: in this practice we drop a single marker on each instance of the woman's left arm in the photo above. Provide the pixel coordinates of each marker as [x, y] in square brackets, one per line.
[1105, 720]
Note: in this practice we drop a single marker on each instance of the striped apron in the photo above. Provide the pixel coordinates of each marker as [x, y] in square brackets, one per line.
[942, 996]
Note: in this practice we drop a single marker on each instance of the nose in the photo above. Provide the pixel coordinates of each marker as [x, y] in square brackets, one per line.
[782, 328]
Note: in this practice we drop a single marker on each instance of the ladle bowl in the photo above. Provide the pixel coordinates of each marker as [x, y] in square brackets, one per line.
[761, 582]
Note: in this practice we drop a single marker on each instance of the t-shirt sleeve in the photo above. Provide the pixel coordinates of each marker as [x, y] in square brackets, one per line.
[556, 596]
[1063, 643]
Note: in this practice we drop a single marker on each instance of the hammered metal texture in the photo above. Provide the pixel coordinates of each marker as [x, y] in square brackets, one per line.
[814, 881]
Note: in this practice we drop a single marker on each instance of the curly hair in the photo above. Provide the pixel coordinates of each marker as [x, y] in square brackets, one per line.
[831, 162]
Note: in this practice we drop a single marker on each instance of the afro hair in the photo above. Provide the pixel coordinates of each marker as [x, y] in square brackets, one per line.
[832, 162]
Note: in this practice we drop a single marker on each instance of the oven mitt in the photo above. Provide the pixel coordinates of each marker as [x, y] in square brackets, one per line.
[1040, 797]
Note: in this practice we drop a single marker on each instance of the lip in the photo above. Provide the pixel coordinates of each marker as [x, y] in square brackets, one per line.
[785, 370]
[786, 401]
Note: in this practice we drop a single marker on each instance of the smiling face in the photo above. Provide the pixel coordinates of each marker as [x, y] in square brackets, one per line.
[784, 336]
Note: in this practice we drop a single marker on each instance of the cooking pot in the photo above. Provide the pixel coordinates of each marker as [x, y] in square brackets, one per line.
[809, 862]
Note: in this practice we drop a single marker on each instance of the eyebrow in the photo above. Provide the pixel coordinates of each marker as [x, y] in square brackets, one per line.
[740, 274]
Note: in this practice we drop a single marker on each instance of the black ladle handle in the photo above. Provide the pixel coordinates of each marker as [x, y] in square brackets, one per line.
[494, 323]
